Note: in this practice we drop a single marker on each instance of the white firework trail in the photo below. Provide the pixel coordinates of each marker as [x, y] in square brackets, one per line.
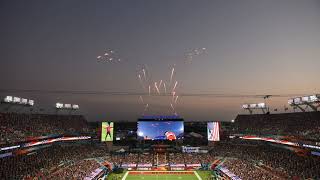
[165, 88]
[160, 84]
[145, 108]
[175, 101]
[172, 71]
[139, 76]
[141, 99]
[173, 94]
[172, 107]
[156, 86]
[144, 74]
[175, 85]
[149, 90]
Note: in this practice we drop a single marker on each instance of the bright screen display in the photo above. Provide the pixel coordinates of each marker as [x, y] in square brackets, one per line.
[213, 131]
[107, 131]
[160, 130]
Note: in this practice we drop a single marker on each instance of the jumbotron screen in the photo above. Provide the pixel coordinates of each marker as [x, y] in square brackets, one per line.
[107, 131]
[213, 129]
[160, 129]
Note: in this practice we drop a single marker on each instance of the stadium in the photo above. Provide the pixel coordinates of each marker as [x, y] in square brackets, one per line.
[160, 90]
[253, 146]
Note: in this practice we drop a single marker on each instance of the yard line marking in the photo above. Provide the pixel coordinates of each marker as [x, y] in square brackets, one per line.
[125, 176]
[195, 172]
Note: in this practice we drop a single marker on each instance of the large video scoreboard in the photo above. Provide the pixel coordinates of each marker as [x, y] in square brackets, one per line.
[160, 128]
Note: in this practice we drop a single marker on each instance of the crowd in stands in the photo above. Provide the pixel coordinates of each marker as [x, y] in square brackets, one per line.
[247, 171]
[146, 158]
[131, 158]
[192, 158]
[276, 159]
[245, 160]
[206, 158]
[77, 170]
[161, 158]
[176, 158]
[20, 127]
[117, 159]
[124, 158]
[303, 125]
[45, 161]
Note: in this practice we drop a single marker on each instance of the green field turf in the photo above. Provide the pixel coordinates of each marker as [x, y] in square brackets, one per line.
[204, 175]
[162, 177]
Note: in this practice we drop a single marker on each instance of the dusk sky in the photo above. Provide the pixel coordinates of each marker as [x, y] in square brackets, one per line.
[252, 48]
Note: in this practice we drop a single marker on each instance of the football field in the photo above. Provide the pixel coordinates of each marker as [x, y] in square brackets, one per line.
[149, 175]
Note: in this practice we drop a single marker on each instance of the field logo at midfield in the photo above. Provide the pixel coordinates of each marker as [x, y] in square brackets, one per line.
[107, 131]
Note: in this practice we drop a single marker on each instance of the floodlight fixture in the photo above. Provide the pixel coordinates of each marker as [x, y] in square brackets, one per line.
[245, 106]
[254, 106]
[31, 102]
[13, 100]
[312, 101]
[261, 105]
[67, 106]
[315, 98]
[16, 100]
[75, 106]
[8, 99]
[24, 101]
[59, 105]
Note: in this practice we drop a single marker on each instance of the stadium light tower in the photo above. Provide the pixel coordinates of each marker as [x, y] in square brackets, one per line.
[255, 106]
[312, 101]
[17, 101]
[68, 107]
